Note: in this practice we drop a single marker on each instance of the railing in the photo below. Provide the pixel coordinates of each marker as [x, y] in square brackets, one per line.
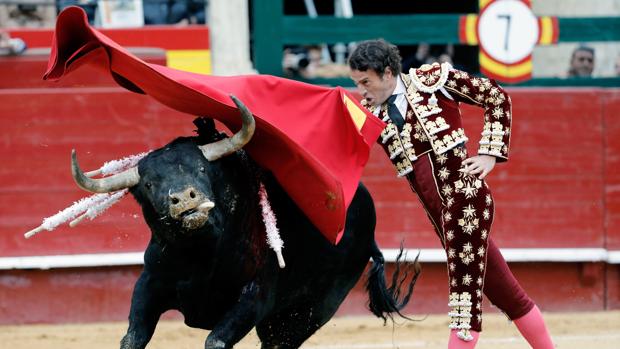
[273, 29]
[28, 2]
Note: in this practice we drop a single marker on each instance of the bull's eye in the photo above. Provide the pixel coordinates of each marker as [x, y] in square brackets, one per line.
[148, 185]
[202, 169]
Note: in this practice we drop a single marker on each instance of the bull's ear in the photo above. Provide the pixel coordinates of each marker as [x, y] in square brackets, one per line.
[205, 128]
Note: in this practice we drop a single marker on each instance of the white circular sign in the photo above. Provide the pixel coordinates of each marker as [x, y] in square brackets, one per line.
[508, 30]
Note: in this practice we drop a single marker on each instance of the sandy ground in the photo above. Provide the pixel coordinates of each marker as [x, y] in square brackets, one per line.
[600, 330]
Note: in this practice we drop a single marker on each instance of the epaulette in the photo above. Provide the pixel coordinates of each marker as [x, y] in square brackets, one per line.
[406, 79]
[430, 77]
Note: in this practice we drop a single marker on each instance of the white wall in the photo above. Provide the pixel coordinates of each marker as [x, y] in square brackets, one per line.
[576, 8]
[230, 37]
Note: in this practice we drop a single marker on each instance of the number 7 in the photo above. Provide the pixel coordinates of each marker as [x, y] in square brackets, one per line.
[507, 18]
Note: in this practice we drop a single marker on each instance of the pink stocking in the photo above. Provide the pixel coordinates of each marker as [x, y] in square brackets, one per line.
[532, 327]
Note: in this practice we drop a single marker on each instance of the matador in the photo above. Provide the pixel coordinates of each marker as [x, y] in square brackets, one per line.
[425, 141]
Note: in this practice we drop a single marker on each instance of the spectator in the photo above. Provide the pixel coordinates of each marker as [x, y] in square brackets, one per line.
[429, 60]
[174, 11]
[581, 62]
[11, 46]
[421, 56]
[429, 54]
[445, 58]
[156, 11]
[197, 11]
[26, 15]
[89, 6]
[308, 63]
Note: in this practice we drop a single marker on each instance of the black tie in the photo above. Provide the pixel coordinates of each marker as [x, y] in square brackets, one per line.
[394, 113]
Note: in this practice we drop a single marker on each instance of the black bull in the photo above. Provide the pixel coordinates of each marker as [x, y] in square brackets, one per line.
[208, 256]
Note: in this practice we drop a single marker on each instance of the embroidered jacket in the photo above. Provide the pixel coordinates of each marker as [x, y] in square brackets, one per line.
[433, 120]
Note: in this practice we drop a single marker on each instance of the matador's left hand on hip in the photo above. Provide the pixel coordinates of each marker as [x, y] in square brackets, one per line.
[480, 165]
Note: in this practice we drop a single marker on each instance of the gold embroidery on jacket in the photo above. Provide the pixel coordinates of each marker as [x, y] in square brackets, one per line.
[419, 133]
[389, 131]
[405, 136]
[414, 98]
[449, 141]
[411, 154]
[395, 148]
[436, 126]
[483, 92]
[424, 111]
[404, 167]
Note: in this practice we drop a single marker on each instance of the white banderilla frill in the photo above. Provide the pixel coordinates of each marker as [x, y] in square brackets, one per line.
[269, 218]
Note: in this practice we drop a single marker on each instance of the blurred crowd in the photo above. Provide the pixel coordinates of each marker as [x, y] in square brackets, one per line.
[320, 61]
[155, 11]
[309, 61]
[42, 13]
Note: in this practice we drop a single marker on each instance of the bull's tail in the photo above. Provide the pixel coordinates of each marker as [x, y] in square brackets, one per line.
[385, 301]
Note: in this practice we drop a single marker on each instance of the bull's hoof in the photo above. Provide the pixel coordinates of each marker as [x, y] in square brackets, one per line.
[131, 342]
[214, 344]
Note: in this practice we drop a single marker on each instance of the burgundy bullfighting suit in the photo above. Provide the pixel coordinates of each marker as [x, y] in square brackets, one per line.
[428, 150]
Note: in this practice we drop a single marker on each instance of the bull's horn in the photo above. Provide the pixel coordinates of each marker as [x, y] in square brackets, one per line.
[122, 180]
[227, 146]
[206, 206]
[94, 173]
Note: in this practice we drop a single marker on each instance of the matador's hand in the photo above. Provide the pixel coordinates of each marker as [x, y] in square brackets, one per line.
[480, 164]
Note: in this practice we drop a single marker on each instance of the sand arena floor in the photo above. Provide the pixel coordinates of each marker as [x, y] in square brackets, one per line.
[595, 330]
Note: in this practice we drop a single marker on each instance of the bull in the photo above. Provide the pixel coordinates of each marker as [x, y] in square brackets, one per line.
[208, 258]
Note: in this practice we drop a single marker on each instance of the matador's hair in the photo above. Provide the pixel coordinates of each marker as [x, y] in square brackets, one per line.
[376, 55]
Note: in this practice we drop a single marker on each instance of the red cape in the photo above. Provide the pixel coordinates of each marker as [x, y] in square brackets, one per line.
[315, 140]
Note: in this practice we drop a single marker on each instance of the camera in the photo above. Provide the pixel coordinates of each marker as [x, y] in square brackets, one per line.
[296, 60]
[299, 61]
[16, 46]
[11, 46]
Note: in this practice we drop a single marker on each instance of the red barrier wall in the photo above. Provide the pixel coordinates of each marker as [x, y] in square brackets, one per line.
[162, 36]
[561, 188]
[104, 294]
[611, 141]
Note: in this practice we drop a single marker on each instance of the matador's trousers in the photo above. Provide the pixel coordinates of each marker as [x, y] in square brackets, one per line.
[461, 208]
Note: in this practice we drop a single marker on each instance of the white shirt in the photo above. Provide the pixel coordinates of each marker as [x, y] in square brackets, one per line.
[401, 100]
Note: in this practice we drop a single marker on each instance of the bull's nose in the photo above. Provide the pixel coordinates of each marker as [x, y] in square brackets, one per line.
[189, 194]
[184, 200]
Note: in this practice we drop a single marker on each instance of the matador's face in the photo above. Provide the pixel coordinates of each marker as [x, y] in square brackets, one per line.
[376, 89]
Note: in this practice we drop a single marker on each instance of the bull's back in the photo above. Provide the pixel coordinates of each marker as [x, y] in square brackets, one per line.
[312, 262]
[300, 234]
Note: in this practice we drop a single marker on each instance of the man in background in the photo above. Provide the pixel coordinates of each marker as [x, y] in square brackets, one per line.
[581, 62]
